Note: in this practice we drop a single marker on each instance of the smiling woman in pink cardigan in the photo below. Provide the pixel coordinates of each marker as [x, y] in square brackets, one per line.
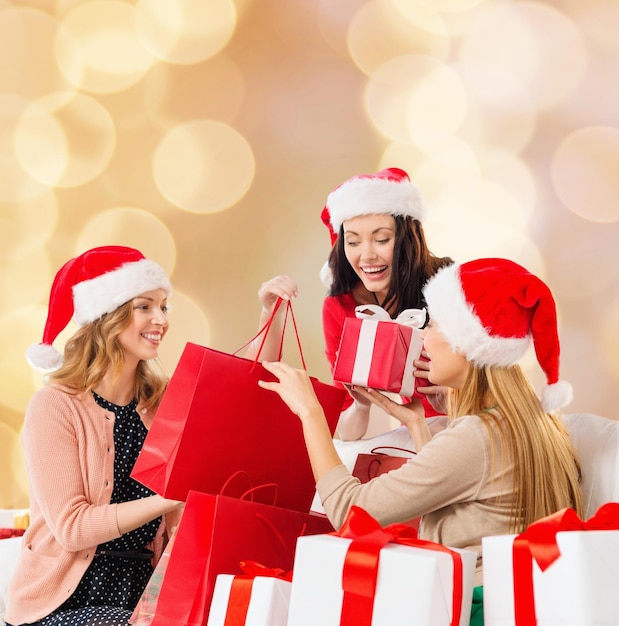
[94, 531]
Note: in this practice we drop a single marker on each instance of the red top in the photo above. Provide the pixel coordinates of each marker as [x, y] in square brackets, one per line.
[335, 309]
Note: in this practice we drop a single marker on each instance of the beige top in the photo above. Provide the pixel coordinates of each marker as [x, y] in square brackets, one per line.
[459, 482]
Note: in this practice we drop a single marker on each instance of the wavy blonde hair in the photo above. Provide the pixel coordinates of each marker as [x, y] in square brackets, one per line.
[95, 349]
[546, 470]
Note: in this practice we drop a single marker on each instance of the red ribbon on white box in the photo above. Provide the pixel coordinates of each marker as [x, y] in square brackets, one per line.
[539, 542]
[240, 591]
[360, 571]
[414, 318]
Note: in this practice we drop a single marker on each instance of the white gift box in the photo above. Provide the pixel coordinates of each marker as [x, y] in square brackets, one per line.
[268, 603]
[578, 589]
[414, 585]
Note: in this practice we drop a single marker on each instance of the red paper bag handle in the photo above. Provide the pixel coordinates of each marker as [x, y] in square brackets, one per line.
[265, 331]
[375, 450]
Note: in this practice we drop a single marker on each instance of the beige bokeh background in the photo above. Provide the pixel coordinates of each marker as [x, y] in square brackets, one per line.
[207, 133]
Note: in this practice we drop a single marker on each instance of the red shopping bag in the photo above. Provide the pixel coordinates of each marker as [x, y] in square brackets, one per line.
[215, 535]
[368, 465]
[372, 464]
[214, 420]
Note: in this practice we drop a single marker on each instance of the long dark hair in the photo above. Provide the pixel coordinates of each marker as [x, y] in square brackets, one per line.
[413, 264]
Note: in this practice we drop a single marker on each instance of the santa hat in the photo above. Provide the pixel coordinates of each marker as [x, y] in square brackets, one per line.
[89, 286]
[491, 310]
[389, 191]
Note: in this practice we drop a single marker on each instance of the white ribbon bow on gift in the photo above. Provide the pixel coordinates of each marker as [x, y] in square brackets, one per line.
[409, 317]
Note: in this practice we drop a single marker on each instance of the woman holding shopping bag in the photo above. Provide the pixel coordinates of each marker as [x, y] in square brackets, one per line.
[504, 460]
[379, 257]
[94, 531]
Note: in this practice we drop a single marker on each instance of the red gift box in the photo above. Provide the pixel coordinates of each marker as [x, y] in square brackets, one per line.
[378, 352]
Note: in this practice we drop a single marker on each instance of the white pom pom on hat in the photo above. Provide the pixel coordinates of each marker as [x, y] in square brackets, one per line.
[491, 310]
[89, 286]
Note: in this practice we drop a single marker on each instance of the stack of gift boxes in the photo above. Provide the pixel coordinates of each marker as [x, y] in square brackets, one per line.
[242, 560]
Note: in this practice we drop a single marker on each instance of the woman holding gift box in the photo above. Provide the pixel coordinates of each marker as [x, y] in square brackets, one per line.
[94, 532]
[505, 460]
[380, 257]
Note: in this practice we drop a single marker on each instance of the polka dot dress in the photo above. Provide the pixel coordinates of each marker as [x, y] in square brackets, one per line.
[113, 584]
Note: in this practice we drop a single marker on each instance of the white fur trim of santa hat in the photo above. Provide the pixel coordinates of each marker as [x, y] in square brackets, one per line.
[389, 191]
[95, 297]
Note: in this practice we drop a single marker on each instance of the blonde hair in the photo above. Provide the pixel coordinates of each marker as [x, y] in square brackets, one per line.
[94, 350]
[546, 470]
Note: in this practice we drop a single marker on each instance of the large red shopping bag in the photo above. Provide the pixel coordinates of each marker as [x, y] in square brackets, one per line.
[216, 534]
[214, 420]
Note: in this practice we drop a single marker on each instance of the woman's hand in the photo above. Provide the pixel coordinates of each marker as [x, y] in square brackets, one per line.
[283, 287]
[436, 394]
[404, 413]
[411, 415]
[294, 387]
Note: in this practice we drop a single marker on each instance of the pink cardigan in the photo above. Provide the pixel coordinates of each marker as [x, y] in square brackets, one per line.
[69, 446]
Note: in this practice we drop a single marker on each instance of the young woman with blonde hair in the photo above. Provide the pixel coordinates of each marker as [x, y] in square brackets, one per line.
[95, 532]
[504, 460]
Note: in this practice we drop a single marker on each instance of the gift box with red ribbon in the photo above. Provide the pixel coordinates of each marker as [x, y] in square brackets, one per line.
[560, 571]
[367, 575]
[259, 597]
[378, 352]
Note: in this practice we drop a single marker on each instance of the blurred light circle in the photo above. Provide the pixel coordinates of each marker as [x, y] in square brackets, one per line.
[185, 31]
[212, 89]
[26, 45]
[133, 227]
[378, 33]
[24, 265]
[584, 173]
[511, 173]
[477, 218]
[65, 139]
[19, 328]
[415, 98]
[534, 43]
[27, 226]
[16, 185]
[446, 6]
[437, 107]
[203, 166]
[97, 48]
[452, 161]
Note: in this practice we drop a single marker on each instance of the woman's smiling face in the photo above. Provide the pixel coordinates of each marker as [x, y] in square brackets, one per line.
[368, 243]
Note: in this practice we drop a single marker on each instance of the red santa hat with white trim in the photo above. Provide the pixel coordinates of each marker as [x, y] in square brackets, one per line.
[389, 191]
[491, 310]
[89, 286]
